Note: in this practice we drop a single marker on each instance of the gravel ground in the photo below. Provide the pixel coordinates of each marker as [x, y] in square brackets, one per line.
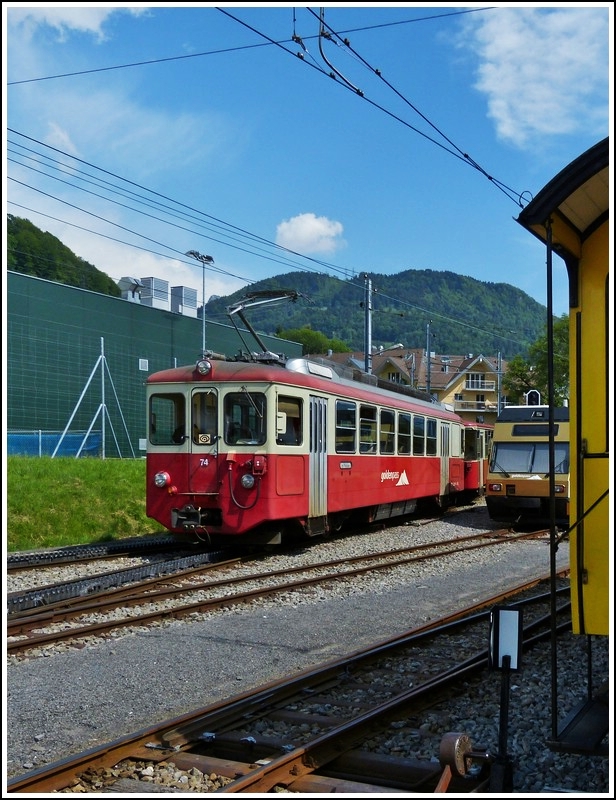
[79, 697]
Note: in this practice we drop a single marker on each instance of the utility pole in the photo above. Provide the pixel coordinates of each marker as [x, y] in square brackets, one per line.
[367, 323]
[428, 364]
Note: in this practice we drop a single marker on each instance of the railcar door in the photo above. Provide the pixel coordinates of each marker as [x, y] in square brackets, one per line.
[317, 507]
[446, 466]
[483, 459]
[203, 437]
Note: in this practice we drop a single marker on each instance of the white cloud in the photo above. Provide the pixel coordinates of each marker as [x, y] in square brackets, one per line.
[64, 19]
[544, 71]
[307, 233]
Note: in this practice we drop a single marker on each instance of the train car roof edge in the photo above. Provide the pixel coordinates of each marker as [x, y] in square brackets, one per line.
[565, 183]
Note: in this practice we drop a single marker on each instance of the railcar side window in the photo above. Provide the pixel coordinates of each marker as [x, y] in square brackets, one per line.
[346, 426]
[367, 429]
[167, 419]
[289, 428]
[205, 417]
[445, 439]
[245, 417]
[404, 434]
[419, 435]
[431, 442]
[387, 434]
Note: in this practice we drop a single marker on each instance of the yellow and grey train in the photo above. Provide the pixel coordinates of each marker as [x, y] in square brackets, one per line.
[519, 484]
[570, 216]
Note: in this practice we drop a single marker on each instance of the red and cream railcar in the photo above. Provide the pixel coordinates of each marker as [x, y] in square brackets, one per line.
[477, 443]
[246, 447]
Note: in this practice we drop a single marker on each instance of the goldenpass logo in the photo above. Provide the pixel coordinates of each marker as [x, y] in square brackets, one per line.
[388, 475]
[400, 478]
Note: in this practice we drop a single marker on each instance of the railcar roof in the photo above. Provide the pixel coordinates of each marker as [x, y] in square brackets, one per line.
[252, 371]
[579, 196]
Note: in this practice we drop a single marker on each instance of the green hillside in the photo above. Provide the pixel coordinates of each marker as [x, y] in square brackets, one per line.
[466, 315]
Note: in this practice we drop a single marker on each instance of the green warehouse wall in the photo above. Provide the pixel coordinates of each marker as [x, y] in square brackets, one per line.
[80, 357]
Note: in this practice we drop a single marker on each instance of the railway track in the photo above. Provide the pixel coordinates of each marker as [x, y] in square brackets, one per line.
[54, 556]
[191, 590]
[43, 597]
[326, 729]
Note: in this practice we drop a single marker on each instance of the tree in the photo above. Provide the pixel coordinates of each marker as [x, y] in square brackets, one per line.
[528, 373]
[314, 342]
[518, 379]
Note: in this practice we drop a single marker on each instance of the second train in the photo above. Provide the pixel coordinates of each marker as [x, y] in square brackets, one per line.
[522, 482]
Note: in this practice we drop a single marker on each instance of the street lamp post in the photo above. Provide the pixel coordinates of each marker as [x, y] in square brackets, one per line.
[204, 260]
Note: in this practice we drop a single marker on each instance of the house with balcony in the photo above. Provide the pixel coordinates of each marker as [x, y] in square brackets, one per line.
[470, 384]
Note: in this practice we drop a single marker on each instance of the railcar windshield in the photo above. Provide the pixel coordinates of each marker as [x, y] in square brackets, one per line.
[529, 457]
[245, 417]
[167, 418]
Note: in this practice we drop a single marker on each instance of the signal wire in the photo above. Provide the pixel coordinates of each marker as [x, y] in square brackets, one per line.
[508, 191]
[456, 152]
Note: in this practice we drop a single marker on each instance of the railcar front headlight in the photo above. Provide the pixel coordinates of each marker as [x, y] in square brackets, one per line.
[247, 481]
[204, 366]
[559, 488]
[495, 487]
[162, 479]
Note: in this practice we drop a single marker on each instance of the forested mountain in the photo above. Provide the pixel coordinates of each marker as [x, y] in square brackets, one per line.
[32, 251]
[465, 315]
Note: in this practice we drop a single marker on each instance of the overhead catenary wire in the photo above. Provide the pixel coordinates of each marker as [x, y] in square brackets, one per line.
[456, 151]
[511, 193]
[235, 49]
[346, 84]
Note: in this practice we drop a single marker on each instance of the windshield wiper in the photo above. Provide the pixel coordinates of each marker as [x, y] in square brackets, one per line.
[498, 468]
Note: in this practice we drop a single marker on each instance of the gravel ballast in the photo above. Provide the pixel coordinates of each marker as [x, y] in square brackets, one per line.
[74, 698]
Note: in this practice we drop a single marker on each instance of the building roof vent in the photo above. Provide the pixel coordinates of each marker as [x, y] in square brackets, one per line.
[130, 288]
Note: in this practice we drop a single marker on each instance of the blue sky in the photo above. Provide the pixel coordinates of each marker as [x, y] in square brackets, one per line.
[408, 137]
